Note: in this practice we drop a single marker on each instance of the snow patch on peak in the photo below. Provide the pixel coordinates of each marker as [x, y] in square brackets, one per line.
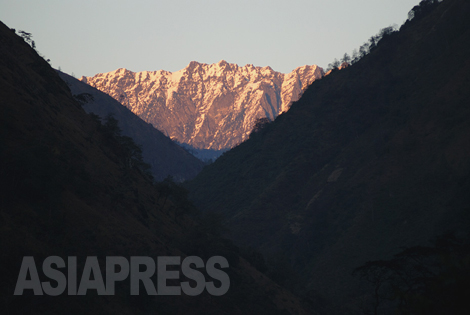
[222, 63]
[121, 71]
[176, 76]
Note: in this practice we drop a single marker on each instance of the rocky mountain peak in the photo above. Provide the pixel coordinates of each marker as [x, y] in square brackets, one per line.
[208, 106]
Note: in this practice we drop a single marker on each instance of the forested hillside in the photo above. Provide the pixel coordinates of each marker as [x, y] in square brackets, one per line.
[164, 156]
[373, 158]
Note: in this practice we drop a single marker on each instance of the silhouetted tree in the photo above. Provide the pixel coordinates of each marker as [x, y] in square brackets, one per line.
[26, 36]
[386, 31]
[424, 7]
[378, 274]
[334, 65]
[363, 50]
[84, 98]
[355, 56]
[423, 279]
[260, 124]
[112, 126]
[373, 42]
[130, 152]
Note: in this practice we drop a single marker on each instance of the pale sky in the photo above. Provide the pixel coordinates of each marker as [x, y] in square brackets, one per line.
[86, 37]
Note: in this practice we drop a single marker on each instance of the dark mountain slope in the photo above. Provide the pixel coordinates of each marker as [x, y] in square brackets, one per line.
[165, 156]
[372, 158]
[67, 189]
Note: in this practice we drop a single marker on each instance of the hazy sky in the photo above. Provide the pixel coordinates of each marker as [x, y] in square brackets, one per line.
[91, 36]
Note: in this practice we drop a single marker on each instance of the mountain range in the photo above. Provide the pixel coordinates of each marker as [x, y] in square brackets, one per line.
[206, 106]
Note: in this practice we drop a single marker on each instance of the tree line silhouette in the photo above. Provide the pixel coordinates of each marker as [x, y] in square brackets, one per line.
[421, 279]
[415, 14]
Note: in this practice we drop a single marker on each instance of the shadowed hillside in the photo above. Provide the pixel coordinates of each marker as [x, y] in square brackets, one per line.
[165, 156]
[372, 158]
[70, 187]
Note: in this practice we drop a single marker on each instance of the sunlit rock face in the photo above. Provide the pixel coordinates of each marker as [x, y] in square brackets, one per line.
[206, 106]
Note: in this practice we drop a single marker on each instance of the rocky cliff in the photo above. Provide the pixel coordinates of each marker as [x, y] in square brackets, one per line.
[206, 106]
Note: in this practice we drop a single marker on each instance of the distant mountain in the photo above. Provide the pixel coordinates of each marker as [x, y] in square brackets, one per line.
[371, 159]
[206, 106]
[68, 190]
[164, 156]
